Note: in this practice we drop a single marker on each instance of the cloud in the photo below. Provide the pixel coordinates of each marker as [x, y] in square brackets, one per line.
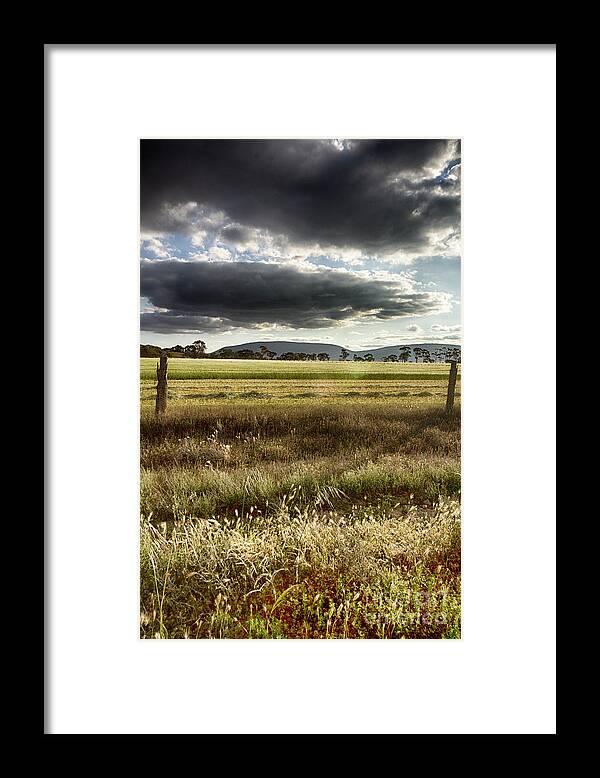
[155, 246]
[381, 197]
[455, 328]
[216, 296]
[219, 252]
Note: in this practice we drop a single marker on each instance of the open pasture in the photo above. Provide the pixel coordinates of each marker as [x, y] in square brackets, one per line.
[300, 503]
[213, 381]
[181, 369]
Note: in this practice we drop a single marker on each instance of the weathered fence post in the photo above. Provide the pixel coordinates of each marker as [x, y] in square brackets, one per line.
[161, 385]
[451, 386]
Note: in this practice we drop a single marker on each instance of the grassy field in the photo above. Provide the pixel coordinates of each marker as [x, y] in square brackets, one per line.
[222, 369]
[293, 499]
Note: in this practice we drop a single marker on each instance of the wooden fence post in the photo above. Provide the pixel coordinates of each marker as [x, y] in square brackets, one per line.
[451, 387]
[161, 385]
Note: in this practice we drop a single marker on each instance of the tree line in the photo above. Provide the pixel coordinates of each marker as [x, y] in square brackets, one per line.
[444, 354]
[265, 353]
[197, 350]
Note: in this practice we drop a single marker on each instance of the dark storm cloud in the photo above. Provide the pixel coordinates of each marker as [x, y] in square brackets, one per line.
[235, 234]
[172, 322]
[377, 196]
[217, 296]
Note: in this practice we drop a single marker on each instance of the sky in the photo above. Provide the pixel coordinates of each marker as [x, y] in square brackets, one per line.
[352, 242]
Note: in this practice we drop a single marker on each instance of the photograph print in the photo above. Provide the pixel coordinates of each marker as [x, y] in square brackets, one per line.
[300, 388]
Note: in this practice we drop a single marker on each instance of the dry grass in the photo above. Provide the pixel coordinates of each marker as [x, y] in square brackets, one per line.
[298, 508]
[198, 463]
[305, 573]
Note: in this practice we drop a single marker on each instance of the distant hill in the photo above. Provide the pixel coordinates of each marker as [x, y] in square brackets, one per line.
[281, 346]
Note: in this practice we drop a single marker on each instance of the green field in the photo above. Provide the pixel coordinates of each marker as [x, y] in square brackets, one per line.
[294, 499]
[245, 369]
[210, 381]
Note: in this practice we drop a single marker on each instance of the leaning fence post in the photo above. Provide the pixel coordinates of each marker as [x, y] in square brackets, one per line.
[451, 386]
[161, 385]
